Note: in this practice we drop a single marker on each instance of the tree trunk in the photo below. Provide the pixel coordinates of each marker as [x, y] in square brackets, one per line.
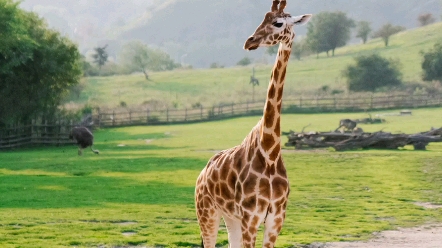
[146, 75]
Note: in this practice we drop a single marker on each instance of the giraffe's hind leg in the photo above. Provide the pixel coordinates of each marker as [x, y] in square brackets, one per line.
[208, 219]
[235, 232]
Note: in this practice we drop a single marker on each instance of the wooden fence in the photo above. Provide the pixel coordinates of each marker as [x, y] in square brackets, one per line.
[129, 117]
[56, 133]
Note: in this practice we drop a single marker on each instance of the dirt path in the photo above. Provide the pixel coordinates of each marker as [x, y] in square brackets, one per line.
[428, 236]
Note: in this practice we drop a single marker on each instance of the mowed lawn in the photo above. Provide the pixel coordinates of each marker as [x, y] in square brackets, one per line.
[139, 190]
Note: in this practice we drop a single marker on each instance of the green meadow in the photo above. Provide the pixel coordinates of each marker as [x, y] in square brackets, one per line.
[139, 190]
[184, 88]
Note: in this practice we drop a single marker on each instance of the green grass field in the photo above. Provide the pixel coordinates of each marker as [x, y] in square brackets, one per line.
[182, 88]
[142, 193]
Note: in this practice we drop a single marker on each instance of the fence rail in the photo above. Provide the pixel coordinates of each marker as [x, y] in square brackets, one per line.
[301, 105]
[56, 133]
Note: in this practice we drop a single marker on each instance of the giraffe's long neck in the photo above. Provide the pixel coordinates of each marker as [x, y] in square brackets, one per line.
[270, 130]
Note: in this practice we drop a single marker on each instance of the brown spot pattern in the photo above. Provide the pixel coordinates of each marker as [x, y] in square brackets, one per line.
[267, 141]
[269, 115]
[279, 187]
[275, 152]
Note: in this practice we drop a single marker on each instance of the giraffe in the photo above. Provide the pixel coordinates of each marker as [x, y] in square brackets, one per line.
[247, 185]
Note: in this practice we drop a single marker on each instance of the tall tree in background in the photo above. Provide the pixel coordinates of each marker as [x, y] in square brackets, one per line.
[328, 31]
[371, 72]
[425, 19]
[37, 66]
[363, 30]
[100, 56]
[386, 31]
[432, 63]
[138, 57]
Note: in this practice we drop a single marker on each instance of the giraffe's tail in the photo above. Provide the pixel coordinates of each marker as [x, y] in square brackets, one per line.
[202, 243]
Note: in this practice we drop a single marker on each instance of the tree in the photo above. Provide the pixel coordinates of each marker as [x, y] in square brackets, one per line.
[386, 31]
[372, 72]
[432, 63]
[100, 56]
[138, 57]
[425, 19]
[37, 66]
[244, 61]
[363, 31]
[299, 48]
[328, 31]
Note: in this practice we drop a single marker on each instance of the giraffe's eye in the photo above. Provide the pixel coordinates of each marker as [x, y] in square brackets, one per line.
[277, 24]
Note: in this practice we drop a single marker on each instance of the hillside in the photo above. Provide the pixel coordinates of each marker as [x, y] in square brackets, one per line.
[200, 32]
[183, 88]
[214, 31]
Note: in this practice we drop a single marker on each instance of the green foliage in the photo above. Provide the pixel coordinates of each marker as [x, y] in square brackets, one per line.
[363, 31]
[138, 57]
[329, 30]
[272, 50]
[100, 56]
[386, 31]
[244, 61]
[372, 72]
[37, 65]
[88, 69]
[425, 19]
[432, 64]
[216, 65]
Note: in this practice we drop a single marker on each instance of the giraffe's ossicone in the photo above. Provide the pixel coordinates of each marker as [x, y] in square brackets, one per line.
[247, 184]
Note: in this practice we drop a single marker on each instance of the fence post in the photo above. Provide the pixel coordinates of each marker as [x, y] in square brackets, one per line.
[167, 115]
[233, 112]
[247, 106]
[113, 118]
[335, 103]
[130, 116]
[185, 115]
[147, 116]
[300, 102]
[201, 112]
[99, 118]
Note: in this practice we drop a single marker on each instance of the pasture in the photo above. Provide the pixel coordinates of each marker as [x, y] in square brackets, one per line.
[184, 88]
[139, 190]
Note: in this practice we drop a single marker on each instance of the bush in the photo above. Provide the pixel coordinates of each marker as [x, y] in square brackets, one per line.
[432, 64]
[372, 72]
[244, 61]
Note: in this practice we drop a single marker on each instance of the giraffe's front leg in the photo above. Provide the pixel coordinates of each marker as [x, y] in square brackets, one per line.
[273, 224]
[250, 225]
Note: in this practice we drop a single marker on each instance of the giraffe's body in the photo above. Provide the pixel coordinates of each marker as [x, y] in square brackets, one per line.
[247, 184]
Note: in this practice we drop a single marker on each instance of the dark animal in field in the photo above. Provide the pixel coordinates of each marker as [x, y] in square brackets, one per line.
[84, 139]
[347, 124]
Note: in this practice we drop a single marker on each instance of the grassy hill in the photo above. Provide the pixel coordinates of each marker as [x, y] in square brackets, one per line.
[183, 88]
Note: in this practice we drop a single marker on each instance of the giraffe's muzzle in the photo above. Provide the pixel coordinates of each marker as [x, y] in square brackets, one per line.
[251, 43]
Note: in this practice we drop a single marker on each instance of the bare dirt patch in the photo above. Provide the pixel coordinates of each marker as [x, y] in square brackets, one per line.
[428, 205]
[427, 236]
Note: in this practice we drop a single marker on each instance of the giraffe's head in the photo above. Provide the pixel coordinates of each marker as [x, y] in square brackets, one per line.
[276, 27]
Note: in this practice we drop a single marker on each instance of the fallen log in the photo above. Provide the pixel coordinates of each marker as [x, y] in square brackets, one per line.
[349, 141]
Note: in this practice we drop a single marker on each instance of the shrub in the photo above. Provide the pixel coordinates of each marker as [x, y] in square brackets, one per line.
[372, 72]
[432, 64]
[244, 61]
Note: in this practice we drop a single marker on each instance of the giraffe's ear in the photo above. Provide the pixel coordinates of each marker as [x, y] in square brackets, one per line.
[302, 19]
